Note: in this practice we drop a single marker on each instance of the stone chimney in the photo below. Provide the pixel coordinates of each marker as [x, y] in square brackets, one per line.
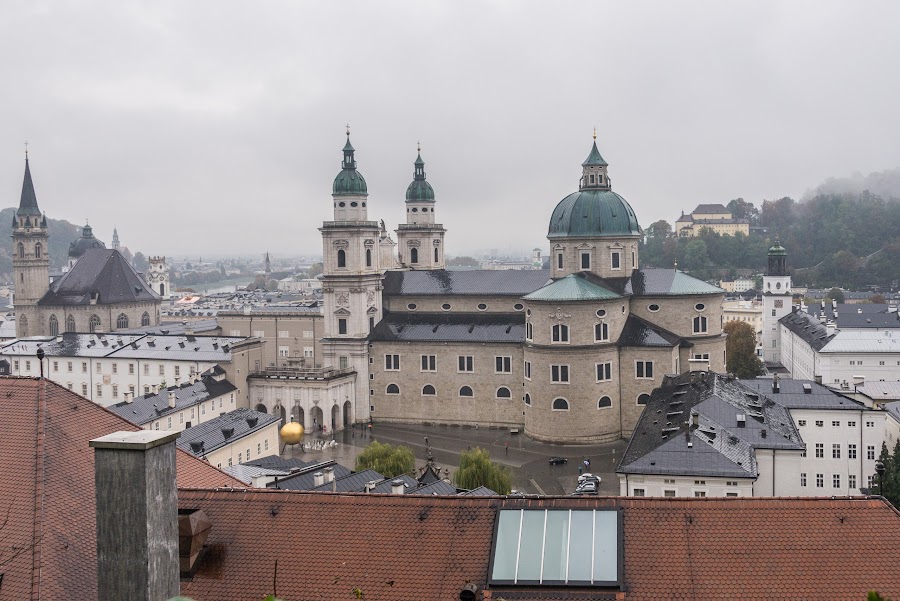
[328, 475]
[318, 479]
[171, 399]
[397, 487]
[137, 525]
[129, 398]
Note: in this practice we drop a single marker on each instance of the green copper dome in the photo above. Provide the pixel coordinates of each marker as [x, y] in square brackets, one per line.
[419, 190]
[593, 213]
[777, 250]
[349, 182]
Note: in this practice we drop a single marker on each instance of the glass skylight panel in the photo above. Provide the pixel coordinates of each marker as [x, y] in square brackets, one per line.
[557, 547]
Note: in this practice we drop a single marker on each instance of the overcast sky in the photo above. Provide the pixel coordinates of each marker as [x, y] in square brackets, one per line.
[216, 127]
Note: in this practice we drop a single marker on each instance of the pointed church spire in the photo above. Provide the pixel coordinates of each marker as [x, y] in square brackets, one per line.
[593, 170]
[115, 240]
[28, 203]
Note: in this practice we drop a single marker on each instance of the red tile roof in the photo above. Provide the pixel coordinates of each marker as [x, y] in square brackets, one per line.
[326, 546]
[48, 540]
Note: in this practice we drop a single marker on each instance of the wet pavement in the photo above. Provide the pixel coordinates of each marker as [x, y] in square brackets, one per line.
[526, 458]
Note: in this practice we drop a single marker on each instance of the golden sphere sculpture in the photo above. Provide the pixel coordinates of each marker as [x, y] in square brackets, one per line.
[292, 433]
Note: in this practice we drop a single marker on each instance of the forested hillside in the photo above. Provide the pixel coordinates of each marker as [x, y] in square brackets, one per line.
[839, 235]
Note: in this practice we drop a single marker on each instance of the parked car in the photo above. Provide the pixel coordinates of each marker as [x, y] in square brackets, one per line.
[588, 487]
[586, 477]
[558, 460]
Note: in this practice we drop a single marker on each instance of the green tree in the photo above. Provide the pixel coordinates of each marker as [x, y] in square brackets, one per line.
[388, 460]
[140, 262]
[696, 257]
[659, 229]
[740, 350]
[891, 479]
[463, 262]
[476, 469]
[836, 294]
[315, 270]
[742, 209]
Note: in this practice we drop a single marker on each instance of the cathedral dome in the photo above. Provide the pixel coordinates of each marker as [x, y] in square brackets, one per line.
[84, 243]
[592, 213]
[349, 182]
[419, 189]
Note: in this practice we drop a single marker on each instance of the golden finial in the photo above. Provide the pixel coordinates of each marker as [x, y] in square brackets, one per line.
[348, 130]
[595, 132]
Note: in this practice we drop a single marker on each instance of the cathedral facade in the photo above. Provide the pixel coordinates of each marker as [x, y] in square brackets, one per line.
[100, 292]
[568, 354]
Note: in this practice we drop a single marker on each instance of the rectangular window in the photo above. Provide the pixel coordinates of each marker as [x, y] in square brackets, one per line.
[169, 427]
[131, 369]
[307, 333]
[585, 260]
[801, 422]
[819, 423]
[836, 424]
[344, 362]
[870, 452]
[616, 260]
[146, 369]
[429, 362]
[342, 326]
[98, 368]
[668, 493]
[307, 351]
[820, 481]
[99, 391]
[851, 451]
[601, 332]
[284, 334]
[820, 450]
[162, 369]
[638, 492]
[465, 363]
[84, 367]
[84, 391]
[259, 333]
[803, 479]
[115, 368]
[604, 372]
[177, 371]
[529, 331]
[503, 365]
[527, 370]
[851, 482]
[284, 351]
[700, 493]
[836, 451]
[56, 366]
[643, 369]
[559, 374]
[870, 424]
[559, 261]
[115, 391]
[851, 424]
[392, 362]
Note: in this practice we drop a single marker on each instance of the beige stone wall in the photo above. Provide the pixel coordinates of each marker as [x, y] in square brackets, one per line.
[584, 421]
[301, 398]
[245, 357]
[298, 333]
[260, 444]
[676, 313]
[458, 304]
[410, 406]
[600, 251]
[39, 316]
[664, 361]
[580, 317]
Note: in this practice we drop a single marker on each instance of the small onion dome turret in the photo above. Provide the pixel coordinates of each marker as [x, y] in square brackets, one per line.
[777, 250]
[84, 243]
[292, 433]
[349, 182]
[419, 189]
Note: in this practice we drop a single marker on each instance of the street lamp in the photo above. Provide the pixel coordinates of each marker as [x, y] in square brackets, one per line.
[879, 469]
[40, 356]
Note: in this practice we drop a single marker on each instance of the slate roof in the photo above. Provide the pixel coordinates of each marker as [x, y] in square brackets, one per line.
[791, 395]
[48, 544]
[665, 282]
[450, 327]
[149, 407]
[852, 319]
[710, 209]
[99, 271]
[638, 332]
[409, 484]
[483, 282]
[279, 463]
[880, 391]
[304, 478]
[863, 341]
[353, 482]
[412, 547]
[210, 433]
[666, 442]
[439, 488]
[810, 330]
[571, 288]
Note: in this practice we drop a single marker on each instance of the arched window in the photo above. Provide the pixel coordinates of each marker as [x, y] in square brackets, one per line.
[23, 326]
[527, 399]
[342, 258]
[560, 333]
[428, 390]
[604, 402]
[393, 389]
[70, 324]
[466, 391]
[37, 250]
[54, 326]
[643, 399]
[601, 332]
[145, 319]
[560, 405]
[21, 250]
[414, 255]
[700, 324]
[122, 321]
[368, 257]
[94, 324]
[162, 289]
[503, 393]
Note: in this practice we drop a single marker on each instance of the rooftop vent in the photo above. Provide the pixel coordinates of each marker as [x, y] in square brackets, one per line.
[807, 388]
[193, 529]
[741, 420]
[227, 433]
[196, 446]
[252, 421]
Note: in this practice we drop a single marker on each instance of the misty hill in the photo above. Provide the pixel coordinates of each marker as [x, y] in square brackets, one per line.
[62, 234]
[885, 184]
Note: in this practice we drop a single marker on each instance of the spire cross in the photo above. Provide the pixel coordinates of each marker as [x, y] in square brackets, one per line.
[418, 147]
[26, 149]
[595, 132]
[348, 130]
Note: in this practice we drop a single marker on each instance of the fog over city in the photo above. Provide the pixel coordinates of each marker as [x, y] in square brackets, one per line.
[211, 127]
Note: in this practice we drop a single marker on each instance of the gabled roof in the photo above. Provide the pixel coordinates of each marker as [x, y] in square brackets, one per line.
[48, 544]
[666, 282]
[483, 282]
[241, 422]
[792, 395]
[810, 330]
[571, 288]
[148, 407]
[711, 209]
[450, 327]
[410, 547]
[103, 272]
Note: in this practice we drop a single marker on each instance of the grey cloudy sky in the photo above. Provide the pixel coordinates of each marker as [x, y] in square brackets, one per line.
[210, 127]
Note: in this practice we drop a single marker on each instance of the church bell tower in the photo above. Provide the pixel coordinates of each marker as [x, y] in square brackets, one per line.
[31, 258]
[420, 240]
[776, 302]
